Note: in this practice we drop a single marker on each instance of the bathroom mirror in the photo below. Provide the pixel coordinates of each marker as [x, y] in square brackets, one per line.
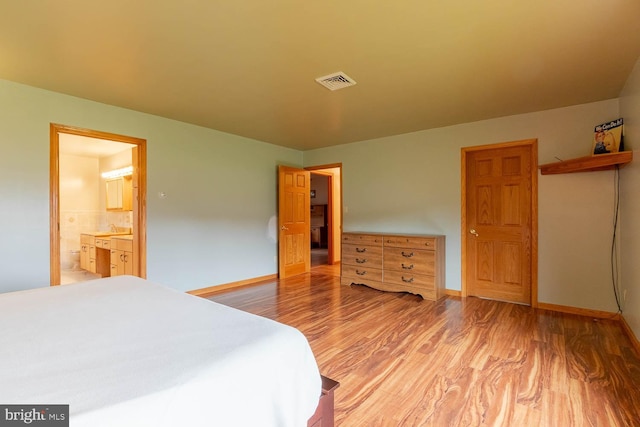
[119, 194]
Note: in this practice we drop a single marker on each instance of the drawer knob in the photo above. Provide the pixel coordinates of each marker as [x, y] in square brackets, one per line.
[407, 267]
[361, 250]
[360, 273]
[407, 255]
[361, 260]
[407, 280]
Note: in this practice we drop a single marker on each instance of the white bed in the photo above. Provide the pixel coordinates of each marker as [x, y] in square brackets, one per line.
[124, 351]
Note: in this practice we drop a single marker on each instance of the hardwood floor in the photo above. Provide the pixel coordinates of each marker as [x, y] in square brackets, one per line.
[402, 361]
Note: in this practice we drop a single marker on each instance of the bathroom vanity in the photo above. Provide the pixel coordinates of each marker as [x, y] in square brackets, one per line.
[107, 254]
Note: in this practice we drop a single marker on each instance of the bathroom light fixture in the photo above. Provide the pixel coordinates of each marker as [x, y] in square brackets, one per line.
[118, 172]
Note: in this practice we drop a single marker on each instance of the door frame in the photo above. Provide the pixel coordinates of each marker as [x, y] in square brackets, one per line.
[139, 200]
[533, 144]
[330, 206]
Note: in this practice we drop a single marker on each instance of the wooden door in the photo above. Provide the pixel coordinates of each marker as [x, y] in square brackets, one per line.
[329, 220]
[294, 223]
[499, 210]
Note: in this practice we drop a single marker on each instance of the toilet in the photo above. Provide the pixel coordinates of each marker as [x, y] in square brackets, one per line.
[70, 260]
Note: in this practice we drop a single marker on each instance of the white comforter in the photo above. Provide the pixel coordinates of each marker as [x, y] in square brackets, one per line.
[123, 351]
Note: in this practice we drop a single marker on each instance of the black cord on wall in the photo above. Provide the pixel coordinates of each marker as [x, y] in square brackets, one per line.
[614, 252]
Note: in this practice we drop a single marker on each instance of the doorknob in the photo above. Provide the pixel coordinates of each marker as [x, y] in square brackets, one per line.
[284, 228]
[474, 232]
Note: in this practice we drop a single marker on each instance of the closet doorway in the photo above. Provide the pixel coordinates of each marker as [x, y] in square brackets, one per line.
[77, 159]
[500, 221]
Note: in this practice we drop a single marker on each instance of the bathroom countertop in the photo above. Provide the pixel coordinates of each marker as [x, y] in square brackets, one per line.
[123, 236]
[108, 233]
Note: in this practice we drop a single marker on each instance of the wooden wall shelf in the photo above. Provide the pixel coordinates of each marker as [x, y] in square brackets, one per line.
[599, 162]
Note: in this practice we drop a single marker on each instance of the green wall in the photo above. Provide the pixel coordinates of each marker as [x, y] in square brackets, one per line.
[215, 225]
[630, 203]
[217, 222]
[411, 183]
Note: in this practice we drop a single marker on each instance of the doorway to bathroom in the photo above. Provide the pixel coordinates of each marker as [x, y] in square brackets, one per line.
[97, 194]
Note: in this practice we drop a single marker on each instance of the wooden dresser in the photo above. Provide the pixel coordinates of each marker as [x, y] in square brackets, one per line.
[395, 262]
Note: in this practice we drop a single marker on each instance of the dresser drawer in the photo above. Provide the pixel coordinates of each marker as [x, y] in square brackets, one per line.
[410, 260]
[361, 274]
[362, 239]
[410, 279]
[360, 254]
[363, 260]
[415, 242]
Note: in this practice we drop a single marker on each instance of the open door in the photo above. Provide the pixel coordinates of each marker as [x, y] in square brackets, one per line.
[294, 222]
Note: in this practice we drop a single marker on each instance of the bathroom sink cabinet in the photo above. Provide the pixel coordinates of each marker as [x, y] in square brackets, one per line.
[96, 253]
[121, 256]
[88, 252]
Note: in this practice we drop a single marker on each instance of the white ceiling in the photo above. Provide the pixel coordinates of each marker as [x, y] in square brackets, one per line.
[248, 67]
[84, 146]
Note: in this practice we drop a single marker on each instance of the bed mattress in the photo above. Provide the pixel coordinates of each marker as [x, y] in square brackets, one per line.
[125, 351]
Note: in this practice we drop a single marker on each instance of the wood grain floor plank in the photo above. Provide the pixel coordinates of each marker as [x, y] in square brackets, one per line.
[403, 361]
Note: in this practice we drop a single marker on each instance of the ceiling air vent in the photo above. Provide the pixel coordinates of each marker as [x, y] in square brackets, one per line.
[336, 81]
